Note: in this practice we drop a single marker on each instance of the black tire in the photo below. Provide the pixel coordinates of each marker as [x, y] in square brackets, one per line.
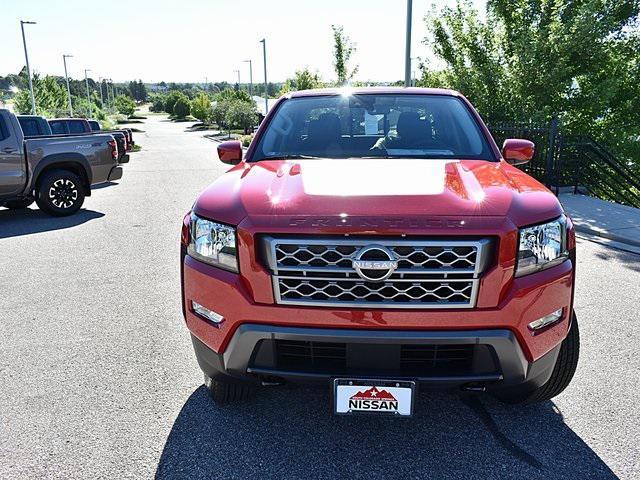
[225, 393]
[60, 193]
[18, 204]
[561, 376]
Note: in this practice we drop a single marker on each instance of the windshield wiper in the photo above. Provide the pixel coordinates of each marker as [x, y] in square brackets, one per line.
[286, 157]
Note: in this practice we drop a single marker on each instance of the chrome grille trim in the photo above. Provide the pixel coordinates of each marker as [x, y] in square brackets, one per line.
[437, 274]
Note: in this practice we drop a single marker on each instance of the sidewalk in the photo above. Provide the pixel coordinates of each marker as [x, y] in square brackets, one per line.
[610, 222]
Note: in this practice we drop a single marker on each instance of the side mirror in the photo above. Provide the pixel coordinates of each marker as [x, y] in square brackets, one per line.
[230, 152]
[517, 151]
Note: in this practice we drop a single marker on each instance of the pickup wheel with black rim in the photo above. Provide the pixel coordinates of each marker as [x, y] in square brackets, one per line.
[18, 204]
[60, 193]
[563, 372]
[224, 393]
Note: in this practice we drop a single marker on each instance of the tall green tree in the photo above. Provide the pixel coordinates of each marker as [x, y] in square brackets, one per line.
[50, 97]
[531, 59]
[343, 49]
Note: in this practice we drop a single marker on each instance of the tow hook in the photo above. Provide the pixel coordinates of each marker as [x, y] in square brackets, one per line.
[272, 381]
[474, 388]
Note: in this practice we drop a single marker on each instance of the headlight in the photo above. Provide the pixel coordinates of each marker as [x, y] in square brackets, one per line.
[213, 243]
[542, 246]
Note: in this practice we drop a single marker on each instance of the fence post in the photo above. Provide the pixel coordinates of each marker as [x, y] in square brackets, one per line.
[553, 132]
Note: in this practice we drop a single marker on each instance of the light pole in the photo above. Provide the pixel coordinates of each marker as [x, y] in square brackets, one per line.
[238, 72]
[101, 96]
[86, 81]
[26, 57]
[407, 53]
[66, 77]
[250, 76]
[266, 88]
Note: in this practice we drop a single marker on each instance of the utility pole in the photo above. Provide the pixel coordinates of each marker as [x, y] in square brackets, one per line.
[238, 72]
[250, 76]
[86, 81]
[407, 53]
[26, 57]
[266, 85]
[66, 77]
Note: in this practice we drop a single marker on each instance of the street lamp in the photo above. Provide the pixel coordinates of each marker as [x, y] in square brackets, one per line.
[238, 72]
[66, 77]
[26, 57]
[407, 53]
[250, 76]
[101, 96]
[86, 81]
[266, 89]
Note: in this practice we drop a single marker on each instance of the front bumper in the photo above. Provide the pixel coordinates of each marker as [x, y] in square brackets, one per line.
[496, 360]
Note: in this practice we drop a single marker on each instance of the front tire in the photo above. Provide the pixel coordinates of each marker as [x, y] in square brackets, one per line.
[563, 372]
[60, 193]
[225, 393]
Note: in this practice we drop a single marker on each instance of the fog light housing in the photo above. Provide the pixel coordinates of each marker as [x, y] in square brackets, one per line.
[546, 320]
[207, 314]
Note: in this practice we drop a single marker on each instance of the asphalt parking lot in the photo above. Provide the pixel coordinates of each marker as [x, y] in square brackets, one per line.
[98, 377]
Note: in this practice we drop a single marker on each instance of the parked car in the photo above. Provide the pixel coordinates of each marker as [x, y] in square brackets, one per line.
[126, 133]
[56, 172]
[34, 126]
[69, 125]
[377, 240]
[121, 140]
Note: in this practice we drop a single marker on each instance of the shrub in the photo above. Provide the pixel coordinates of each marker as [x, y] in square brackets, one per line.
[182, 108]
[158, 103]
[171, 100]
[125, 105]
[201, 107]
[246, 140]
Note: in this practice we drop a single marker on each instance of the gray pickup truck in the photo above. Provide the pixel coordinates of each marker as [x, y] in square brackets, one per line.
[55, 172]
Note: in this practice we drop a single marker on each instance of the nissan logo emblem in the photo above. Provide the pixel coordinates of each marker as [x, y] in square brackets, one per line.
[374, 263]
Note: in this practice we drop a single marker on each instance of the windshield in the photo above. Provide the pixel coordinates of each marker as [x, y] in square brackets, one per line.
[390, 126]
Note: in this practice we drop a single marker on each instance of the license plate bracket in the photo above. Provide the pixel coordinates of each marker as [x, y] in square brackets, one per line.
[356, 396]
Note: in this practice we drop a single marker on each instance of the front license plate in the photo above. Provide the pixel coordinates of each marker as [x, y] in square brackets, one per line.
[379, 397]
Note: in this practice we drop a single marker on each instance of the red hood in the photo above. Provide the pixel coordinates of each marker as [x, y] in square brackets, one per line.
[377, 188]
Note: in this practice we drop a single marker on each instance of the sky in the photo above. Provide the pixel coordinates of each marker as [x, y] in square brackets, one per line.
[206, 40]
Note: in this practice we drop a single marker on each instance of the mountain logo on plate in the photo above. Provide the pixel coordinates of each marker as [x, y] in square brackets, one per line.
[373, 399]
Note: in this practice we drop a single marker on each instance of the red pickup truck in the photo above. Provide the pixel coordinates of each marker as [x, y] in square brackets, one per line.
[378, 240]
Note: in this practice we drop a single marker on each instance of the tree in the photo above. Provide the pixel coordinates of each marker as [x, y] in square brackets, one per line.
[201, 107]
[125, 105]
[138, 91]
[157, 102]
[303, 80]
[50, 97]
[532, 59]
[182, 107]
[343, 49]
[241, 114]
[171, 99]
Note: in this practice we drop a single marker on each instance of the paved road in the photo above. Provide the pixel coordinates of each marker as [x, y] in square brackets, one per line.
[98, 379]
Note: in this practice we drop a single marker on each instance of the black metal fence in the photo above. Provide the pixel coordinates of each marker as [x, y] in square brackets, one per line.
[576, 161]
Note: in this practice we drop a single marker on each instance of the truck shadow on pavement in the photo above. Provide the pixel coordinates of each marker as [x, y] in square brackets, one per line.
[15, 223]
[290, 432]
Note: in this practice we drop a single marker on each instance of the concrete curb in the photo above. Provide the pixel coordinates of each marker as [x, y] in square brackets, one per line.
[625, 247]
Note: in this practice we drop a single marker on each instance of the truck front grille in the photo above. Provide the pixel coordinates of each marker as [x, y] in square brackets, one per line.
[376, 273]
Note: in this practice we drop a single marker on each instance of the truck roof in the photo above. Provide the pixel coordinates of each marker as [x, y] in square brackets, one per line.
[373, 90]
